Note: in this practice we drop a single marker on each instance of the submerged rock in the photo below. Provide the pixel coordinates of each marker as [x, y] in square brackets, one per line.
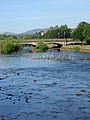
[2, 117]
[26, 100]
[83, 90]
[78, 94]
[34, 80]
[0, 88]
[18, 74]
[2, 78]
[10, 95]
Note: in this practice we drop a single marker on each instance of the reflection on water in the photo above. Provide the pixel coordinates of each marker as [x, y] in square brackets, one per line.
[45, 86]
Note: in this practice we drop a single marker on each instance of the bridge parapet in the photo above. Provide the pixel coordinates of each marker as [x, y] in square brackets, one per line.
[63, 42]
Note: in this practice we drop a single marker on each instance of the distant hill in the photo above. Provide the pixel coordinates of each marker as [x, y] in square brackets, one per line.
[32, 32]
[8, 33]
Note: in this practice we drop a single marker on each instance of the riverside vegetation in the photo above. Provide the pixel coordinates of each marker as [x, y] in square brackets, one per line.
[77, 48]
[10, 44]
[41, 46]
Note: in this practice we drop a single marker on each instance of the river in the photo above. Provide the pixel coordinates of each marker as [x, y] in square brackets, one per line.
[45, 86]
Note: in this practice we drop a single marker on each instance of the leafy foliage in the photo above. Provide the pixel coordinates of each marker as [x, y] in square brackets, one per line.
[7, 37]
[41, 46]
[78, 32]
[87, 40]
[9, 46]
[25, 36]
[58, 32]
[86, 33]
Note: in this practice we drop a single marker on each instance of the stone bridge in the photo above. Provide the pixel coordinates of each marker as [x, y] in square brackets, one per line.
[58, 43]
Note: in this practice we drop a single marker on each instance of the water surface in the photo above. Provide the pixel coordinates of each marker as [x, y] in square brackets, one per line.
[45, 86]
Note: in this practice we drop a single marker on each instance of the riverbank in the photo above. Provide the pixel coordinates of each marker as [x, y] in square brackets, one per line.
[79, 48]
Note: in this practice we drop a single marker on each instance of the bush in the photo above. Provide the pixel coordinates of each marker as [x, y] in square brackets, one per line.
[41, 46]
[9, 46]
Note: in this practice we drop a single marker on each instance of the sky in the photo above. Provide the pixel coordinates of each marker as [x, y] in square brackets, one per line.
[18, 16]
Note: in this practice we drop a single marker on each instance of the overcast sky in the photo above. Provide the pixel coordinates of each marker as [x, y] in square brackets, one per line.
[22, 15]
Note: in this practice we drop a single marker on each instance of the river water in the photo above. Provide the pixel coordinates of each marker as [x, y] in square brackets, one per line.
[45, 86]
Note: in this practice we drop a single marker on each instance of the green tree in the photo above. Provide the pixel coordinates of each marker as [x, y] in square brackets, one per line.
[78, 32]
[58, 32]
[64, 32]
[86, 33]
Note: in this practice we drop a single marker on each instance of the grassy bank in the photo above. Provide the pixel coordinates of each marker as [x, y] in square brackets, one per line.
[79, 48]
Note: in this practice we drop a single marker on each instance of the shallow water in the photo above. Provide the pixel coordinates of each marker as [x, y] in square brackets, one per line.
[45, 86]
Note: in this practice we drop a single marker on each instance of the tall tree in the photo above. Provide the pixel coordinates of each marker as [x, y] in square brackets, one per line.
[58, 32]
[78, 32]
[64, 32]
[86, 33]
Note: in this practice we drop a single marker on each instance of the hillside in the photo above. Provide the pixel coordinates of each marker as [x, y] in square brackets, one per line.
[32, 32]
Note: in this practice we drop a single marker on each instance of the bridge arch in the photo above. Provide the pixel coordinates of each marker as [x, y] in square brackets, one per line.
[57, 45]
[28, 45]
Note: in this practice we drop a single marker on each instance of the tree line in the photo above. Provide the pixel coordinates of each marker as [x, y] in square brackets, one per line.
[81, 32]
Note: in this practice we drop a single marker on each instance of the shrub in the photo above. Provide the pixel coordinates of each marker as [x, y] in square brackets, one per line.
[41, 46]
[9, 46]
